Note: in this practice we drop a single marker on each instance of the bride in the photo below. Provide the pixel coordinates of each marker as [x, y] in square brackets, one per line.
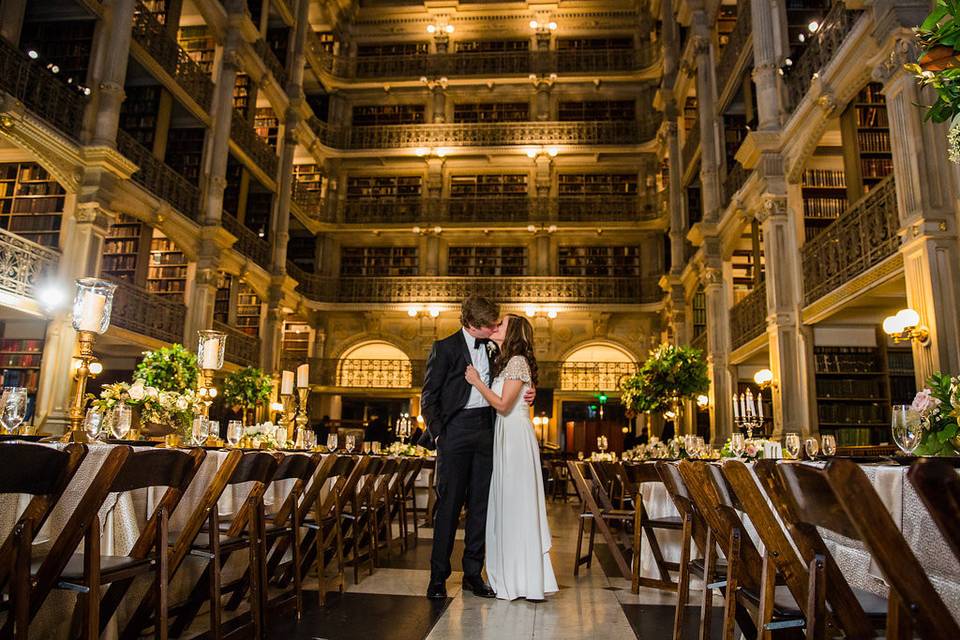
[518, 536]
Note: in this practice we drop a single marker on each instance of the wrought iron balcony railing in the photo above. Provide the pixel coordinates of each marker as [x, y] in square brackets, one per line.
[483, 209]
[736, 177]
[735, 45]
[157, 41]
[148, 314]
[492, 134]
[690, 145]
[699, 341]
[449, 289]
[40, 91]
[241, 348]
[248, 242]
[496, 64]
[862, 237]
[270, 59]
[24, 264]
[155, 176]
[821, 48]
[262, 153]
[748, 318]
[594, 376]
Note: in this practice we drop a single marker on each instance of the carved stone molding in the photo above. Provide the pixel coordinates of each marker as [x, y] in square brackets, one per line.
[700, 45]
[904, 51]
[773, 207]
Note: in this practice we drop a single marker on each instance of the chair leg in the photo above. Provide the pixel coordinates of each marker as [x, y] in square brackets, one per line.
[637, 545]
[706, 606]
[816, 598]
[593, 534]
[683, 579]
[297, 577]
[163, 553]
[90, 601]
[576, 560]
[899, 625]
[768, 585]
[730, 599]
[20, 585]
[213, 568]
[338, 528]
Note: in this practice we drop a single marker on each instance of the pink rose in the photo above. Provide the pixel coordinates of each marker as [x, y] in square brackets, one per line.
[750, 450]
[924, 402]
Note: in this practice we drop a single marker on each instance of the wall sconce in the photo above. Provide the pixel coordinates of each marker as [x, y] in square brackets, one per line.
[425, 231]
[905, 326]
[532, 228]
[703, 401]
[533, 152]
[434, 152]
[440, 28]
[533, 312]
[428, 312]
[543, 27]
[764, 378]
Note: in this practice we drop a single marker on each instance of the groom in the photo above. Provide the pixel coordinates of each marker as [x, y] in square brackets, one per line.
[460, 421]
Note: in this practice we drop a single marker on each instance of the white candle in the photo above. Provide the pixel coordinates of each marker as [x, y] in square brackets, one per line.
[750, 409]
[760, 405]
[91, 314]
[743, 408]
[736, 409]
[303, 376]
[286, 383]
[211, 354]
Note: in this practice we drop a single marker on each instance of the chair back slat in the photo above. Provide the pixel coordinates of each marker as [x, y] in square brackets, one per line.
[676, 488]
[154, 468]
[938, 485]
[641, 472]
[812, 501]
[254, 466]
[295, 465]
[36, 469]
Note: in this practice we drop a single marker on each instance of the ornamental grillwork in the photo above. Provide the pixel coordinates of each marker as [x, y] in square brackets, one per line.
[158, 178]
[140, 311]
[271, 61]
[242, 132]
[865, 235]
[375, 374]
[691, 144]
[241, 348]
[699, 341]
[735, 45]
[821, 48]
[24, 264]
[248, 242]
[735, 179]
[748, 318]
[594, 376]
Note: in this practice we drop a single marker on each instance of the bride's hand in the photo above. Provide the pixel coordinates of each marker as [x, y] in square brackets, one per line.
[472, 375]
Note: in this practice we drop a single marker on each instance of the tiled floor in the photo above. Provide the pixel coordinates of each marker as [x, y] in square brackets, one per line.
[390, 604]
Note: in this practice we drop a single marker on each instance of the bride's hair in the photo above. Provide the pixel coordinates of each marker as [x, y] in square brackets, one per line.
[518, 341]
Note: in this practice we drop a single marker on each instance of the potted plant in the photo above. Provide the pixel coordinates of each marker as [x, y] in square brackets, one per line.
[670, 376]
[171, 368]
[247, 388]
[939, 67]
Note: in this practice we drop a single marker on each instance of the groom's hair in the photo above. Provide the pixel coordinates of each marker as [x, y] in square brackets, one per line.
[478, 312]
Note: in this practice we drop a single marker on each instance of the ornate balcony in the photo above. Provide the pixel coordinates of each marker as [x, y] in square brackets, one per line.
[40, 91]
[735, 45]
[690, 145]
[24, 264]
[241, 348]
[484, 209]
[748, 318]
[531, 289]
[594, 376]
[699, 341]
[248, 243]
[865, 235]
[156, 40]
[270, 59]
[140, 311]
[493, 64]
[821, 48]
[736, 177]
[259, 151]
[156, 177]
[493, 134]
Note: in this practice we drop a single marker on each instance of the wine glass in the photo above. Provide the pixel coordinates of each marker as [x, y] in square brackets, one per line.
[367, 447]
[280, 435]
[234, 432]
[736, 444]
[332, 442]
[198, 435]
[122, 418]
[375, 447]
[829, 444]
[812, 447]
[903, 427]
[792, 445]
[309, 439]
[350, 443]
[213, 429]
[579, 455]
[14, 408]
[92, 423]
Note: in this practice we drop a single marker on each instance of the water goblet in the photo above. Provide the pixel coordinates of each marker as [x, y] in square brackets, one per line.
[350, 443]
[375, 447]
[309, 440]
[579, 455]
[198, 434]
[234, 432]
[812, 447]
[736, 444]
[122, 418]
[92, 423]
[213, 429]
[828, 442]
[14, 408]
[367, 447]
[332, 442]
[904, 427]
[791, 443]
[280, 435]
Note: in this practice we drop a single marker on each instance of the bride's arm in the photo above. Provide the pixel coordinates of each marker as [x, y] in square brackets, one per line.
[511, 391]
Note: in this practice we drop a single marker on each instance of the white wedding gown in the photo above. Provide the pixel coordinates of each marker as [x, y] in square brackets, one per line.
[518, 535]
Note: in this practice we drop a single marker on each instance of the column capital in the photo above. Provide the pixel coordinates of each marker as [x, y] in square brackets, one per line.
[905, 51]
[700, 44]
[773, 207]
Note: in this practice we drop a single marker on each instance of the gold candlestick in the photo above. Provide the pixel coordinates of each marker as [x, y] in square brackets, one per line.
[289, 411]
[302, 421]
[77, 407]
[207, 391]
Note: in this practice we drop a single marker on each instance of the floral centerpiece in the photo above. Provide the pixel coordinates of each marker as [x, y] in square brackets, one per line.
[655, 449]
[670, 376]
[171, 368]
[263, 436]
[939, 68]
[603, 456]
[173, 409]
[246, 388]
[400, 449]
[752, 449]
[937, 408]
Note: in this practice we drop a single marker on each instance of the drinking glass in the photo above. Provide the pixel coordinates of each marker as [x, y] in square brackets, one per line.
[213, 428]
[375, 447]
[280, 435]
[812, 447]
[700, 446]
[829, 444]
[92, 423]
[198, 434]
[351, 442]
[579, 455]
[736, 444]
[234, 432]
[14, 408]
[332, 442]
[309, 439]
[792, 445]
[122, 418]
[367, 447]
[904, 428]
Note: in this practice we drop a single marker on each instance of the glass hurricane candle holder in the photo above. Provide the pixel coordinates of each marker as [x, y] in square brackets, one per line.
[92, 305]
[210, 349]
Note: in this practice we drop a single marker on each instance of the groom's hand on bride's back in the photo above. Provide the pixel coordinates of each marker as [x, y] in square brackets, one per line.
[530, 395]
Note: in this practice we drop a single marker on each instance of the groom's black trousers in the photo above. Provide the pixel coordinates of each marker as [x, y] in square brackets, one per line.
[464, 467]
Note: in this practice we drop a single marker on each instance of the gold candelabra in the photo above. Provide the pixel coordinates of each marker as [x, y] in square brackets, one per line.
[207, 391]
[76, 433]
[289, 411]
[302, 421]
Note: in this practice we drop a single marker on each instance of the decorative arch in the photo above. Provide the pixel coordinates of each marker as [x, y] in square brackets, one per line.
[375, 364]
[598, 365]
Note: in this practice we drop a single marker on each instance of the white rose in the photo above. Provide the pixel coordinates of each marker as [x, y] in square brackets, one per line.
[137, 391]
[152, 392]
[182, 404]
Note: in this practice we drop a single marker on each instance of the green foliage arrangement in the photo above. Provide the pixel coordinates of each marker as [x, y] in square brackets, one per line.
[247, 387]
[939, 67]
[937, 409]
[671, 373]
[171, 368]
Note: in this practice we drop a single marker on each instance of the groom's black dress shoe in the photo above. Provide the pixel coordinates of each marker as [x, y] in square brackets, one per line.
[478, 586]
[437, 590]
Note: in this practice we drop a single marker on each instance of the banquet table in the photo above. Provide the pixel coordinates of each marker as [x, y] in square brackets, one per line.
[900, 499]
[122, 517]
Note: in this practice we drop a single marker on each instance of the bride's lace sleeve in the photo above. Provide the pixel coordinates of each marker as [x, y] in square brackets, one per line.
[517, 369]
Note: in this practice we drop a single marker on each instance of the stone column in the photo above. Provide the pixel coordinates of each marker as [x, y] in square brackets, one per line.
[767, 17]
[438, 89]
[218, 138]
[706, 98]
[926, 188]
[718, 346]
[543, 86]
[111, 49]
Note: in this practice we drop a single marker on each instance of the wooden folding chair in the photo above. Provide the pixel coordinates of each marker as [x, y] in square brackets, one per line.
[356, 521]
[216, 544]
[840, 498]
[598, 509]
[407, 500]
[42, 472]
[938, 485]
[381, 504]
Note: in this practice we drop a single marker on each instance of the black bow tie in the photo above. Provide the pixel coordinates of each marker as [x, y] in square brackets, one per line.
[478, 342]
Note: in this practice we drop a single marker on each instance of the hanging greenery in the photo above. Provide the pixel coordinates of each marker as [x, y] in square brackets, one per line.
[670, 374]
[939, 68]
[247, 387]
[170, 368]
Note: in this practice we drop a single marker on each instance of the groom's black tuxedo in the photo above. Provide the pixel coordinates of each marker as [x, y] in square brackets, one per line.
[464, 439]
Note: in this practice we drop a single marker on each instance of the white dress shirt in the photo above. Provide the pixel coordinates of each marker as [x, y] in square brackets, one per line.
[482, 364]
